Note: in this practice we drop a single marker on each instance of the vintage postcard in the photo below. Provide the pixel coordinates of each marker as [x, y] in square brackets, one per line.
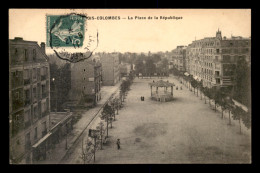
[130, 86]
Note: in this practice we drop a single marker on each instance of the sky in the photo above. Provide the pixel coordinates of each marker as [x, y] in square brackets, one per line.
[138, 35]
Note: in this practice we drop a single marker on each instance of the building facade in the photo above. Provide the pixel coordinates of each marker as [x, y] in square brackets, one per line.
[29, 97]
[110, 69]
[124, 69]
[86, 79]
[178, 58]
[212, 60]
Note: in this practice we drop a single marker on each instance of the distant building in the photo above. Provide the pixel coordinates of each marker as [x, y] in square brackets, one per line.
[86, 79]
[178, 57]
[29, 98]
[124, 69]
[110, 69]
[213, 59]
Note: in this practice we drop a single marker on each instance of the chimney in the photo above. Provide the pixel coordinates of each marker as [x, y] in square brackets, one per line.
[43, 47]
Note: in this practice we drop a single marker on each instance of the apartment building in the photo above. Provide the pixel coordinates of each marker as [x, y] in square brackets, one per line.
[178, 58]
[212, 60]
[110, 69]
[29, 97]
[86, 79]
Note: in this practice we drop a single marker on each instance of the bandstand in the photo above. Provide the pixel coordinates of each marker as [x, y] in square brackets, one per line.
[163, 96]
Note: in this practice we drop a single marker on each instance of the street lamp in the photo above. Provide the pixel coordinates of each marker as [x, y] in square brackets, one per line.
[66, 145]
[53, 80]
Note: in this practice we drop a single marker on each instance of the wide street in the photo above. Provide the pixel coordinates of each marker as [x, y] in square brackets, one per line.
[182, 131]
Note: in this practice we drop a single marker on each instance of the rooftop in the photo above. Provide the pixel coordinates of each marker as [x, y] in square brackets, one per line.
[161, 83]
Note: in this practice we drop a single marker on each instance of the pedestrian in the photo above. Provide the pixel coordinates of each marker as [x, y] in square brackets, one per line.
[118, 144]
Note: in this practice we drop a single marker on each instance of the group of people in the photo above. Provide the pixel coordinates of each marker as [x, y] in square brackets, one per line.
[177, 87]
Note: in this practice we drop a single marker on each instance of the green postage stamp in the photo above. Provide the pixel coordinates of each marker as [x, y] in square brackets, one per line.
[65, 30]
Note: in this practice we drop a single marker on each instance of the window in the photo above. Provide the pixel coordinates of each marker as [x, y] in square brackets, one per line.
[34, 73]
[35, 112]
[27, 141]
[217, 50]
[25, 55]
[34, 93]
[34, 54]
[44, 132]
[17, 95]
[35, 133]
[26, 74]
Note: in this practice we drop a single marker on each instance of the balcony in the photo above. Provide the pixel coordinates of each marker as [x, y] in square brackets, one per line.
[17, 104]
[27, 81]
[17, 82]
[27, 102]
[17, 127]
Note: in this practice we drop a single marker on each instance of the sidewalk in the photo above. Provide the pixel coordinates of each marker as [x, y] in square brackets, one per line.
[57, 154]
[219, 111]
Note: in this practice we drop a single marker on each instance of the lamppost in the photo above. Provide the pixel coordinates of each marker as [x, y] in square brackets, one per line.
[66, 146]
[53, 80]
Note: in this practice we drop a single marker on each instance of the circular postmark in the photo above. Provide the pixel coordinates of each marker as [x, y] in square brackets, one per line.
[71, 37]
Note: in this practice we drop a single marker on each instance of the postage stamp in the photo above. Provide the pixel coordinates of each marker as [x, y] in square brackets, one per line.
[69, 35]
[65, 30]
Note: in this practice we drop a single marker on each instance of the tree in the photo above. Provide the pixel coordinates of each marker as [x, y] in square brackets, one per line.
[94, 134]
[206, 93]
[106, 114]
[238, 114]
[242, 89]
[150, 66]
[116, 104]
[88, 152]
[194, 84]
[246, 118]
[200, 86]
[156, 58]
[101, 130]
[139, 67]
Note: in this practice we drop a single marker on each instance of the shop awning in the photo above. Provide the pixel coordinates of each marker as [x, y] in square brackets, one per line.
[42, 140]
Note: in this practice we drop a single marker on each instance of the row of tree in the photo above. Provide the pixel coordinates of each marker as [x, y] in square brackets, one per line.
[131, 58]
[221, 96]
[148, 67]
[108, 114]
